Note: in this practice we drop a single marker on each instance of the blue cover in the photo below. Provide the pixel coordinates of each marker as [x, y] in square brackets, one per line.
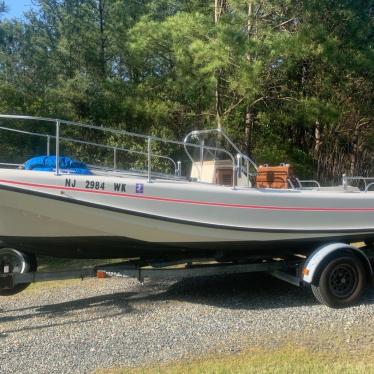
[48, 163]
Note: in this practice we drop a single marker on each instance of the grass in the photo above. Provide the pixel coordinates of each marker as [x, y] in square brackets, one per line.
[64, 264]
[275, 361]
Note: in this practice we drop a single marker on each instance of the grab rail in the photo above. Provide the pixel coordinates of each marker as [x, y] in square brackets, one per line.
[346, 179]
[239, 155]
[368, 186]
[149, 138]
[311, 181]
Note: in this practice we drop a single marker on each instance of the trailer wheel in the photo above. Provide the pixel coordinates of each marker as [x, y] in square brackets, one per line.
[341, 282]
[14, 261]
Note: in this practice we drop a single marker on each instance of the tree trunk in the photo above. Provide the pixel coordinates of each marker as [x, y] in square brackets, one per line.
[102, 38]
[218, 100]
[353, 156]
[248, 131]
[317, 137]
[250, 21]
[317, 147]
[219, 6]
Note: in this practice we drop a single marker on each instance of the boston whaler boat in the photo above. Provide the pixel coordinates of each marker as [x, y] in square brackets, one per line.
[220, 210]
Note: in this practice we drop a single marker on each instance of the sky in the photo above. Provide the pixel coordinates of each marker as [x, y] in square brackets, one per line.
[16, 8]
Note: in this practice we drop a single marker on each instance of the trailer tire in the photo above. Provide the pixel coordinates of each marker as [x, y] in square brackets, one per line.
[341, 281]
[32, 266]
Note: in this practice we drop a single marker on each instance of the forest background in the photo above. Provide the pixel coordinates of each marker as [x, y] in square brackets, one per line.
[288, 80]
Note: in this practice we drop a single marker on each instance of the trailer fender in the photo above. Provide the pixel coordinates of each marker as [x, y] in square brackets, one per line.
[318, 257]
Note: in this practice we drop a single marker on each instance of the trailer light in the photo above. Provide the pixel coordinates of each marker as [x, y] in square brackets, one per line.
[100, 274]
[306, 271]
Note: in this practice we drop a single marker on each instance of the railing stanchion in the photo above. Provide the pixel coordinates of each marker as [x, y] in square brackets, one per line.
[57, 147]
[234, 174]
[239, 165]
[202, 143]
[149, 140]
[345, 182]
[48, 145]
[115, 158]
[248, 182]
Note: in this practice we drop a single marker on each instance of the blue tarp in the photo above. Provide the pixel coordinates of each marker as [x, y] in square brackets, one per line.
[48, 163]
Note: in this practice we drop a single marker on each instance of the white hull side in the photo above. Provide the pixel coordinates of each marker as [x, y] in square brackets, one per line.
[40, 205]
[36, 216]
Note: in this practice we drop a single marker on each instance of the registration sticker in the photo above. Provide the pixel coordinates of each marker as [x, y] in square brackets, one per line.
[139, 188]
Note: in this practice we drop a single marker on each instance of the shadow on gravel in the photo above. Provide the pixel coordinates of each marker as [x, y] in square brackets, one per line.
[247, 291]
[243, 291]
[117, 303]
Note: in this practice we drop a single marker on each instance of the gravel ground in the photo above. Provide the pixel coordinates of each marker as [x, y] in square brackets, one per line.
[78, 327]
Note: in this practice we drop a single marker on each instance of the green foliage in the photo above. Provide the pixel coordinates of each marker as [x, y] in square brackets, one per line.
[289, 80]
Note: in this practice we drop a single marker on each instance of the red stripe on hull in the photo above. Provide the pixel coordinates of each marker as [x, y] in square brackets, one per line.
[184, 201]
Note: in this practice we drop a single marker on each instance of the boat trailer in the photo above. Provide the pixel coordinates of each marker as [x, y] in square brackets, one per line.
[139, 270]
[338, 273]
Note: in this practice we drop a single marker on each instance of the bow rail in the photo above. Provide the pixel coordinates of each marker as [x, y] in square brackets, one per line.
[59, 123]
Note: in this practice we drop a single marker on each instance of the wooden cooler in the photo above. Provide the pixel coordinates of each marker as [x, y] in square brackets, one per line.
[274, 176]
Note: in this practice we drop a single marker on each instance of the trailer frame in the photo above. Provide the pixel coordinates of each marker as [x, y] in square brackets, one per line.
[165, 270]
[298, 270]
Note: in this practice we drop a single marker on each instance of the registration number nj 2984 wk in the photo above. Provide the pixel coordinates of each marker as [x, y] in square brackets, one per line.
[99, 185]
[95, 185]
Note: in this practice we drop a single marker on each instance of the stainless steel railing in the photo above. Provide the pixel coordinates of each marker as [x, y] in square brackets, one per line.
[301, 183]
[239, 156]
[150, 139]
[115, 149]
[346, 179]
[369, 186]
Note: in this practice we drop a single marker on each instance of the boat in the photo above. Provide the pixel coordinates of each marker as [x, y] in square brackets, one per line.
[215, 210]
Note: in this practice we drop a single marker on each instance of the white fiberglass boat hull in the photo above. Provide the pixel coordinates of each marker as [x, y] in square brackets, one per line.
[107, 216]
